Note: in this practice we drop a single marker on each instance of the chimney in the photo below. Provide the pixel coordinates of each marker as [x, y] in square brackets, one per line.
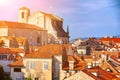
[71, 65]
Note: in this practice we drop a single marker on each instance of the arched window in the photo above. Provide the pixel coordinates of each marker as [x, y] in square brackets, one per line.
[23, 14]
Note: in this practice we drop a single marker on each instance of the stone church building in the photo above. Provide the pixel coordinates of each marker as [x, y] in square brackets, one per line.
[36, 36]
[52, 23]
[39, 28]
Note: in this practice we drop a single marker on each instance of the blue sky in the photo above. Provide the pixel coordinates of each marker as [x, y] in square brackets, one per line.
[86, 18]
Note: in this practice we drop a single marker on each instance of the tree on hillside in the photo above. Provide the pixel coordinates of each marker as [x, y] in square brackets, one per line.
[2, 74]
[1, 43]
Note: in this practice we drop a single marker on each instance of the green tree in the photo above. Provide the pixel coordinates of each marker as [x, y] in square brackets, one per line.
[29, 78]
[2, 74]
[1, 43]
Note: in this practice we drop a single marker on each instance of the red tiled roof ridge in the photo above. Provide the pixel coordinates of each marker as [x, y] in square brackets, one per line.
[9, 24]
[17, 50]
[5, 50]
[47, 51]
[110, 39]
[101, 72]
[18, 62]
[115, 58]
[90, 74]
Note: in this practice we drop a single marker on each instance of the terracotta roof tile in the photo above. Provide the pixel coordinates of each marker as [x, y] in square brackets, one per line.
[17, 50]
[102, 74]
[8, 24]
[18, 62]
[70, 58]
[46, 51]
[5, 51]
[116, 40]
[79, 64]
[115, 58]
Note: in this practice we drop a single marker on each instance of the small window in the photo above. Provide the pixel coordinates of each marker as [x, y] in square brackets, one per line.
[82, 52]
[36, 78]
[0, 57]
[45, 66]
[38, 39]
[4, 57]
[37, 18]
[23, 14]
[17, 69]
[37, 22]
[18, 79]
[31, 65]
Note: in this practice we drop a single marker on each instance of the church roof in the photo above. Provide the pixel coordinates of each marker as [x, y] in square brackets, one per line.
[51, 15]
[8, 24]
[24, 8]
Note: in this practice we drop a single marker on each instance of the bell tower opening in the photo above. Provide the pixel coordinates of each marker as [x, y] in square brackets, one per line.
[23, 14]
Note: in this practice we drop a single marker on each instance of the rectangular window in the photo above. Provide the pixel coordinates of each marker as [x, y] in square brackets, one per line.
[0, 57]
[4, 57]
[36, 78]
[38, 39]
[32, 65]
[45, 66]
[18, 79]
[17, 69]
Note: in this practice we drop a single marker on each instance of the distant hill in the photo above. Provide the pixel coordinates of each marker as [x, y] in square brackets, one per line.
[84, 38]
[118, 36]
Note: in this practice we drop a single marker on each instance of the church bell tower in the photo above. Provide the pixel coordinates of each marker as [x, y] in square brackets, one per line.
[23, 15]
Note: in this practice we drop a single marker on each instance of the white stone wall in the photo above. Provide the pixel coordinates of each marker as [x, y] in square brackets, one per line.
[63, 40]
[49, 27]
[4, 63]
[26, 14]
[3, 31]
[15, 75]
[81, 51]
[37, 19]
[43, 21]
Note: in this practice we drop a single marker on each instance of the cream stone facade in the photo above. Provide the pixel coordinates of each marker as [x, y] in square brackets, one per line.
[38, 68]
[80, 76]
[53, 24]
[36, 36]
